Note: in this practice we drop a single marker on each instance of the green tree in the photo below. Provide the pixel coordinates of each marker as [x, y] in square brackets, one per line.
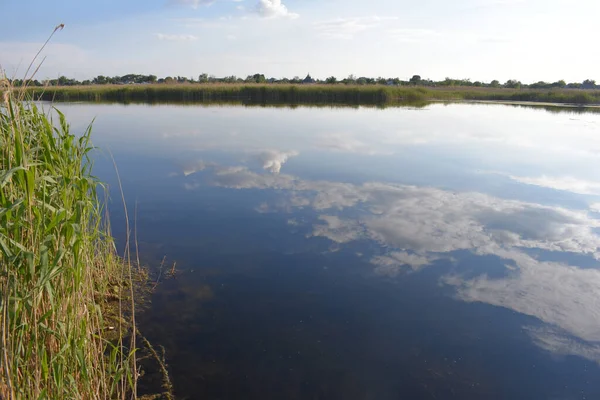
[100, 80]
[259, 78]
[350, 80]
[589, 84]
[512, 84]
[331, 80]
[448, 82]
[495, 83]
[415, 80]
[540, 85]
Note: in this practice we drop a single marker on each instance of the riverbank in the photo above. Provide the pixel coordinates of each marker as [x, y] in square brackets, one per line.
[60, 273]
[307, 94]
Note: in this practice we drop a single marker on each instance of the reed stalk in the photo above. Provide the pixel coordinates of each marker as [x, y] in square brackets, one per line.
[57, 263]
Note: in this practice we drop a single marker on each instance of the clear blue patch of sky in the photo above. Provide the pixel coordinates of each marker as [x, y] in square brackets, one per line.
[34, 20]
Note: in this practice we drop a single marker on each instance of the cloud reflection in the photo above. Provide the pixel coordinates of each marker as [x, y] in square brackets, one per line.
[430, 220]
[566, 183]
[272, 160]
[396, 262]
[417, 225]
[561, 295]
[559, 343]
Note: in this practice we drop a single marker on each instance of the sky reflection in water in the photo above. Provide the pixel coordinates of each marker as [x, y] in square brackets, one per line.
[447, 252]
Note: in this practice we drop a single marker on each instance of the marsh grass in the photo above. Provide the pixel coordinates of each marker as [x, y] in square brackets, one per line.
[58, 263]
[306, 94]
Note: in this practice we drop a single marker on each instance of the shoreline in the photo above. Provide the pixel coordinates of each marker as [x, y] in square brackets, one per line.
[273, 94]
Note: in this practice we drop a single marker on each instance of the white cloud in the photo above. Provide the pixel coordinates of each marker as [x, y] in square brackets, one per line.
[347, 143]
[395, 262]
[566, 183]
[495, 3]
[338, 230]
[274, 9]
[417, 225]
[194, 166]
[414, 35]
[347, 28]
[272, 160]
[176, 38]
[558, 294]
[242, 178]
[560, 343]
[429, 220]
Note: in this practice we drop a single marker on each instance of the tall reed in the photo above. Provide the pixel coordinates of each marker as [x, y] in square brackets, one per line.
[306, 94]
[57, 262]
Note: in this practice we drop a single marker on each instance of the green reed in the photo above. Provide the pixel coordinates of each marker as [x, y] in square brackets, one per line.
[305, 94]
[57, 262]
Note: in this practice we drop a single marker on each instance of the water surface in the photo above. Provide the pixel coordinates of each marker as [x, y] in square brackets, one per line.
[444, 252]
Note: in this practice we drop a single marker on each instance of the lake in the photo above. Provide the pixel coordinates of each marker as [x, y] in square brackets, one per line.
[441, 252]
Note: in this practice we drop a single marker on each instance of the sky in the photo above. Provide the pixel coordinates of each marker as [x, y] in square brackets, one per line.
[527, 40]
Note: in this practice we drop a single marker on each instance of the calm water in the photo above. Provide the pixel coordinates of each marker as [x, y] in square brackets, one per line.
[436, 253]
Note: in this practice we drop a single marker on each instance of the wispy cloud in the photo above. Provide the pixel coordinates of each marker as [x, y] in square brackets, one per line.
[273, 9]
[417, 225]
[15, 56]
[492, 3]
[561, 343]
[565, 183]
[337, 229]
[176, 38]
[408, 35]
[190, 3]
[429, 220]
[557, 294]
[396, 262]
[346, 143]
[347, 28]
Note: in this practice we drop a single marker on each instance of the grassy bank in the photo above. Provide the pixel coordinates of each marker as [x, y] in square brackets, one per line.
[58, 266]
[306, 94]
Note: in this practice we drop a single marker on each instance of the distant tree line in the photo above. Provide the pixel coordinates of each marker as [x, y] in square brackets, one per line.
[332, 80]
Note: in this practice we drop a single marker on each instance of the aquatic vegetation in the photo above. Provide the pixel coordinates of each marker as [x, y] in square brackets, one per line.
[306, 94]
[59, 268]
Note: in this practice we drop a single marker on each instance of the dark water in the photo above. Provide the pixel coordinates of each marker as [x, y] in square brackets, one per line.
[449, 252]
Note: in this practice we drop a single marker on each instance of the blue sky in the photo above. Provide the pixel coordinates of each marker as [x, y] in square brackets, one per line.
[528, 40]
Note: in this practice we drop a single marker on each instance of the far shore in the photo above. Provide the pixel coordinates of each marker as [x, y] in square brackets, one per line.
[320, 94]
